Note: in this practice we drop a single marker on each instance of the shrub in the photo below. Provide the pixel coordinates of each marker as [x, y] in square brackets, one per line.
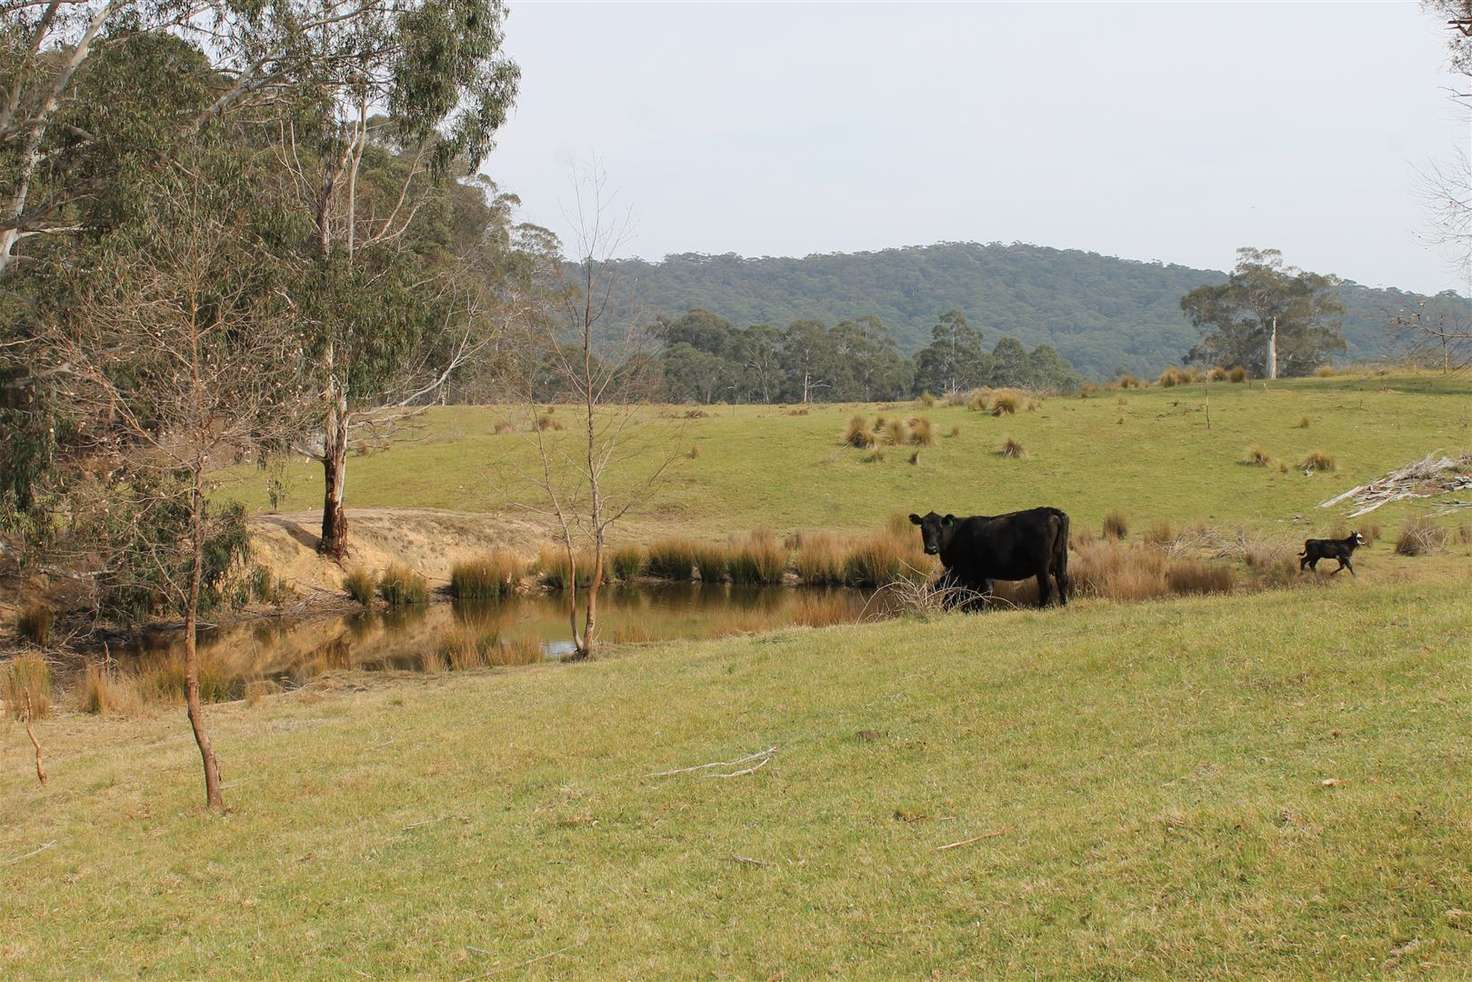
[1011, 448]
[400, 586]
[104, 692]
[26, 675]
[1238, 374]
[927, 400]
[488, 577]
[33, 624]
[1115, 526]
[1257, 457]
[819, 559]
[626, 562]
[921, 433]
[671, 559]
[760, 560]
[1302, 423]
[1420, 536]
[896, 433]
[1317, 461]
[858, 433]
[361, 585]
[979, 401]
[1217, 374]
[713, 560]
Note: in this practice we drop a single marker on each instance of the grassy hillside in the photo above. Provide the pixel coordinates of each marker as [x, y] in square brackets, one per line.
[1103, 314]
[1266, 785]
[1146, 453]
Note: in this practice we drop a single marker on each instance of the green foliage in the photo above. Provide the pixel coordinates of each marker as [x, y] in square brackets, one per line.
[1237, 317]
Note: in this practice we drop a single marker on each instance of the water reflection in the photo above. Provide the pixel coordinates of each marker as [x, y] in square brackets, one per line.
[428, 638]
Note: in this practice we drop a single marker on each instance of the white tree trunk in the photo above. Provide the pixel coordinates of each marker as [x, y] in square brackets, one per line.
[1273, 351]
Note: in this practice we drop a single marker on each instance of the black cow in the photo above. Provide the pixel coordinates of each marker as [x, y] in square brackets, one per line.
[977, 550]
[1340, 549]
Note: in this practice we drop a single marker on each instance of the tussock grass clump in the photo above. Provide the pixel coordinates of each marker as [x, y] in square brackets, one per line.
[548, 422]
[858, 433]
[895, 433]
[820, 559]
[361, 585]
[22, 676]
[33, 624]
[761, 559]
[625, 562]
[1160, 535]
[104, 692]
[161, 680]
[1128, 381]
[1088, 390]
[1193, 576]
[880, 559]
[515, 651]
[1011, 448]
[954, 432]
[1257, 457]
[1420, 536]
[979, 401]
[1317, 461]
[1325, 371]
[1302, 424]
[921, 432]
[955, 399]
[927, 400]
[1115, 526]
[1217, 374]
[1007, 402]
[463, 650]
[1237, 374]
[875, 456]
[502, 426]
[257, 691]
[1172, 377]
[671, 559]
[400, 586]
[488, 577]
[713, 560]
[556, 573]
[693, 453]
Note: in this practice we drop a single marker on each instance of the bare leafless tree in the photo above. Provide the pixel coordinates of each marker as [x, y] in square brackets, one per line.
[614, 462]
[181, 355]
[1437, 331]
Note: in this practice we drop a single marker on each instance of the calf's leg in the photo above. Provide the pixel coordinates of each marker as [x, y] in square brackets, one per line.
[1044, 593]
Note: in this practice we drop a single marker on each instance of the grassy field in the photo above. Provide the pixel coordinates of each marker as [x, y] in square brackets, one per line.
[1265, 785]
[1147, 453]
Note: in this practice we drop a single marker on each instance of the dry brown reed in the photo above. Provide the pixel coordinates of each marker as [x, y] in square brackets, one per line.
[671, 559]
[27, 675]
[819, 559]
[1420, 536]
[1115, 526]
[488, 577]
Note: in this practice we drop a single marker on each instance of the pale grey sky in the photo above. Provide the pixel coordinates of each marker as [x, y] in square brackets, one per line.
[1173, 131]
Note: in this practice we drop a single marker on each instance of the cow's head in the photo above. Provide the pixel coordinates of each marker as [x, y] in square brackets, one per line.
[935, 530]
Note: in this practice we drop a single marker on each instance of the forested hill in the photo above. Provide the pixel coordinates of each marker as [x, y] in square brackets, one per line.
[1103, 314]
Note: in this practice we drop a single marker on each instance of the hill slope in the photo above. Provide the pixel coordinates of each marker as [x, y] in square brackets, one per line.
[1102, 313]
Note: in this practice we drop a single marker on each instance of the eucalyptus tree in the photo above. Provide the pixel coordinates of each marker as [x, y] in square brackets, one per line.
[954, 359]
[1268, 317]
[421, 81]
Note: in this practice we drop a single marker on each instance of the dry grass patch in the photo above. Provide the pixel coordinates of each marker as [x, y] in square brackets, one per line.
[361, 585]
[104, 691]
[927, 400]
[879, 559]
[713, 560]
[26, 676]
[556, 571]
[979, 401]
[1128, 381]
[858, 434]
[1172, 377]
[760, 560]
[1302, 424]
[1011, 448]
[1257, 457]
[400, 586]
[33, 623]
[672, 559]
[487, 577]
[954, 432]
[1115, 526]
[1317, 461]
[1420, 536]
[921, 432]
[626, 562]
[895, 433]
[548, 422]
[819, 560]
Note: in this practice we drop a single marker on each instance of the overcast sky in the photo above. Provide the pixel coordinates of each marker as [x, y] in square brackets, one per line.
[1151, 131]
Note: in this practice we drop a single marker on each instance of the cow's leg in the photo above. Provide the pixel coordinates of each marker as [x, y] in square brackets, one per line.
[1044, 593]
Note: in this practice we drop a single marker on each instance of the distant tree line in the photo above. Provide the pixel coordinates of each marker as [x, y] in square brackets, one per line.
[704, 358]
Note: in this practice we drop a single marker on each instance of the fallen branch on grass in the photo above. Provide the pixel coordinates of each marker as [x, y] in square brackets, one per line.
[761, 757]
[974, 838]
[34, 852]
[40, 768]
[747, 860]
[1428, 477]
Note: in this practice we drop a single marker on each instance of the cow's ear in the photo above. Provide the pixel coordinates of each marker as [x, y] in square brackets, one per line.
[948, 520]
[915, 519]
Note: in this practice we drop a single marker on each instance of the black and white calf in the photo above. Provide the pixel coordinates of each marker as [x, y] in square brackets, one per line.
[1340, 549]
